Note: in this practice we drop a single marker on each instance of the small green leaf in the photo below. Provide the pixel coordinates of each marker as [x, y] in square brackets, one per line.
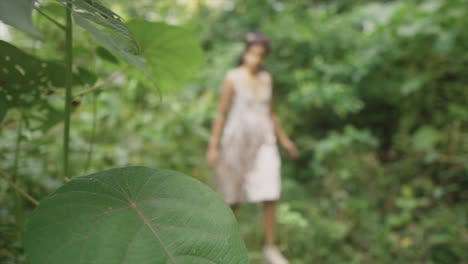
[425, 138]
[18, 13]
[172, 53]
[134, 215]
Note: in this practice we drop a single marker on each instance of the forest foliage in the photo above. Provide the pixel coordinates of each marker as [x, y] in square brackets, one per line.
[374, 93]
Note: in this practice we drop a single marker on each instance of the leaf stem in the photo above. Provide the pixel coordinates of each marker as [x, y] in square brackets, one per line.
[55, 22]
[68, 88]
[18, 189]
[19, 208]
[101, 84]
[18, 146]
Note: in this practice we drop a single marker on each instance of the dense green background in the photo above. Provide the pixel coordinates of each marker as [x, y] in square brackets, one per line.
[375, 93]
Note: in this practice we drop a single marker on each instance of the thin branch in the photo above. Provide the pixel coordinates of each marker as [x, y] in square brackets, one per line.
[101, 84]
[18, 189]
[58, 24]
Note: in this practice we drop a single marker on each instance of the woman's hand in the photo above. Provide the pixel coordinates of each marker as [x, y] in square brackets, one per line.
[287, 144]
[291, 148]
[212, 157]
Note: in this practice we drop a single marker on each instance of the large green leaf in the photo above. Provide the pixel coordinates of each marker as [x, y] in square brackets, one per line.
[108, 29]
[133, 215]
[172, 53]
[18, 13]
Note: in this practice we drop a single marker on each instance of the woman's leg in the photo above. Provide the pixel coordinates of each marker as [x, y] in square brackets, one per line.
[269, 222]
[271, 253]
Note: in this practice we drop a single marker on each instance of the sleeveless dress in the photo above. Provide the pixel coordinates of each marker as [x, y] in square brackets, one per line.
[248, 168]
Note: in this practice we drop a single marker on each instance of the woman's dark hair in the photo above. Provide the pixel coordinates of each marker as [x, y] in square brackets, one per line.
[254, 38]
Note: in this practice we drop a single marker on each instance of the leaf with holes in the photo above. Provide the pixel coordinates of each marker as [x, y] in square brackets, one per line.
[172, 53]
[25, 79]
[134, 215]
[108, 29]
[18, 13]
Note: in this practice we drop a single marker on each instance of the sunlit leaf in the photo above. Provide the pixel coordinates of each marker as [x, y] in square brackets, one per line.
[134, 215]
[172, 53]
[18, 13]
[425, 138]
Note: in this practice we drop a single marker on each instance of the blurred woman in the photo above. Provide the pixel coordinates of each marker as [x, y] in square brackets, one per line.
[243, 146]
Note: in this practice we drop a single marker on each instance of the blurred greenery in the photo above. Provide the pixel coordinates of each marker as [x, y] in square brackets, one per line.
[374, 93]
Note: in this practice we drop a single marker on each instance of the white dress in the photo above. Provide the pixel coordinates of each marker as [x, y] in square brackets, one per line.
[248, 169]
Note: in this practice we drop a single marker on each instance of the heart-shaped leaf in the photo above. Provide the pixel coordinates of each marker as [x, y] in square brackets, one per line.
[172, 53]
[134, 215]
[18, 13]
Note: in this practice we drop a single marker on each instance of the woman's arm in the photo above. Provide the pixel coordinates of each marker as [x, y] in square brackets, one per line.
[279, 131]
[227, 92]
[283, 138]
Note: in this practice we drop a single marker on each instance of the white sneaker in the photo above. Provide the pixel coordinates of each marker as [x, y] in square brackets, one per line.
[272, 255]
